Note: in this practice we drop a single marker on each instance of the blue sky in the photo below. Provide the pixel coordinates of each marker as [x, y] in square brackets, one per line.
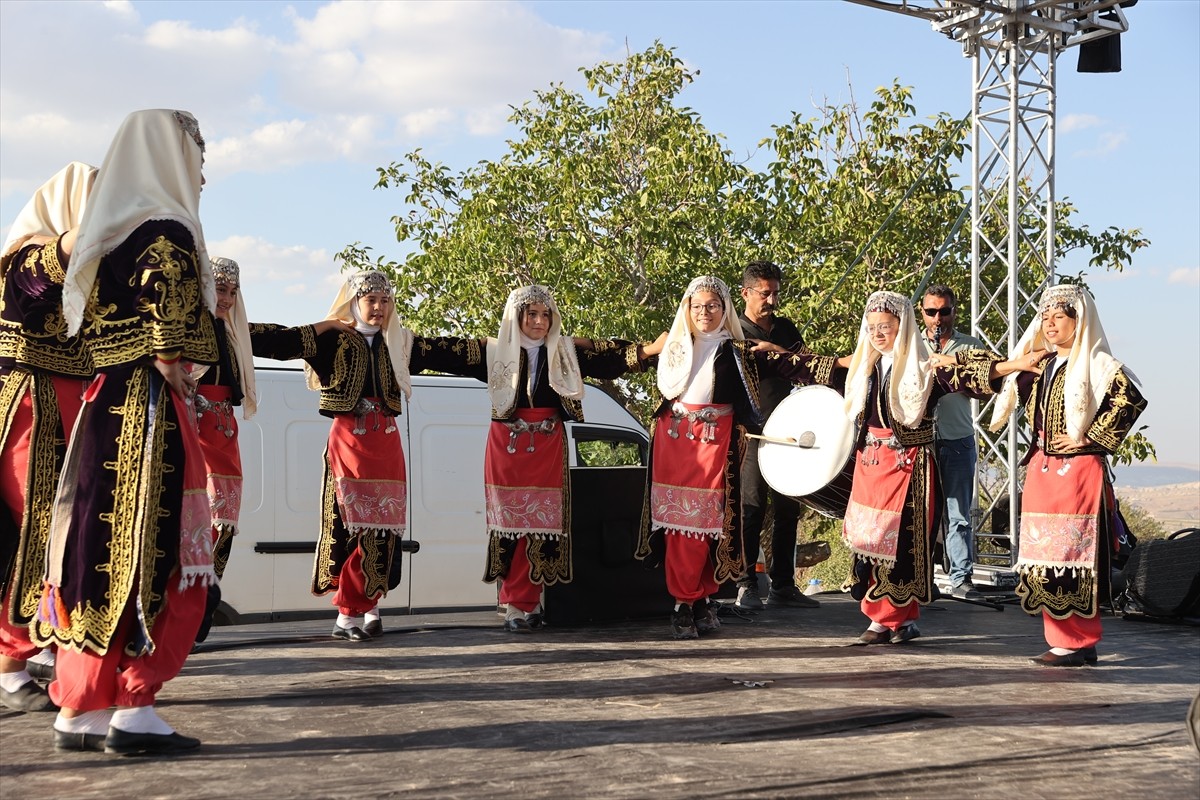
[300, 102]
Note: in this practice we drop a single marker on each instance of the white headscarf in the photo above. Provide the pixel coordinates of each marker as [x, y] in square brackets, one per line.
[151, 171]
[686, 345]
[398, 338]
[237, 328]
[504, 353]
[911, 383]
[55, 208]
[1090, 366]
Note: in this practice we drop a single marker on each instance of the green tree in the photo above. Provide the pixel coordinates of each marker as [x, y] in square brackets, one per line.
[617, 198]
[616, 204]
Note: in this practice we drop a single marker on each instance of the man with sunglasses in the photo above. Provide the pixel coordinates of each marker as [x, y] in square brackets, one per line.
[761, 282]
[955, 440]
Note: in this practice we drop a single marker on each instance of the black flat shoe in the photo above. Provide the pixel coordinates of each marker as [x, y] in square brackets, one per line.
[517, 625]
[78, 741]
[39, 671]
[124, 743]
[1089, 655]
[535, 620]
[27, 697]
[374, 628]
[1051, 659]
[351, 634]
[874, 637]
[905, 633]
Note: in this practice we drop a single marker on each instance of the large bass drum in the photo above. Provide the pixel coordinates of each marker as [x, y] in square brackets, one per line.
[818, 467]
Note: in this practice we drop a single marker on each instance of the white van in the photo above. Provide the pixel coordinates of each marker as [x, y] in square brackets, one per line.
[444, 429]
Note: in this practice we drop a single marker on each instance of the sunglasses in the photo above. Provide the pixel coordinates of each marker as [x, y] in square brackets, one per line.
[938, 312]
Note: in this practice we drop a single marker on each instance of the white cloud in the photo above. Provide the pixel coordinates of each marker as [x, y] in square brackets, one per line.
[122, 8]
[287, 143]
[1106, 144]
[1077, 122]
[287, 284]
[425, 122]
[410, 58]
[349, 81]
[1188, 276]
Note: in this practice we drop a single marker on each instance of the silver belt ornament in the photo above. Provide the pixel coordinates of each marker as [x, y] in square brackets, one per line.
[892, 443]
[517, 427]
[707, 415]
[223, 409]
[366, 408]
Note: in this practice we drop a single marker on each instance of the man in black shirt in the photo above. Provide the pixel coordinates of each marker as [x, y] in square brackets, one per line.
[761, 283]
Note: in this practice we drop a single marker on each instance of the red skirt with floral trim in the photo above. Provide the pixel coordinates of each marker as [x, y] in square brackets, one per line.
[369, 477]
[523, 475]
[687, 491]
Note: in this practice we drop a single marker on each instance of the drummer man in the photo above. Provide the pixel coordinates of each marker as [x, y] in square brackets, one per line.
[955, 440]
[761, 291]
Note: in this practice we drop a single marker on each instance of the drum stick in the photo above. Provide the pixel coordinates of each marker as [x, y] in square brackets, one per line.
[807, 440]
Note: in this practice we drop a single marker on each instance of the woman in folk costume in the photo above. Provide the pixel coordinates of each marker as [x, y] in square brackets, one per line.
[709, 376]
[360, 358]
[1081, 404]
[219, 388]
[534, 375]
[892, 518]
[130, 554]
[43, 374]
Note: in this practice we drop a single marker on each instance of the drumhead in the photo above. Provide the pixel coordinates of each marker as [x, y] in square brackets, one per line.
[798, 471]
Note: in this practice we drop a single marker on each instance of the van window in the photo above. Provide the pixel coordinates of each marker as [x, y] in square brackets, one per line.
[601, 447]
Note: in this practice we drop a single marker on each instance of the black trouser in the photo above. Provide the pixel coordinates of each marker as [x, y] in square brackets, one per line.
[755, 495]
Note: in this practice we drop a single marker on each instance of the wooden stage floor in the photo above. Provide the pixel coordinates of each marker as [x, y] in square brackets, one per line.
[776, 705]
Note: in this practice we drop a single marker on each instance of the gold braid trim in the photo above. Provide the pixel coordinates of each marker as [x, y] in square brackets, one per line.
[729, 560]
[1112, 425]
[12, 387]
[748, 368]
[632, 363]
[392, 397]
[323, 581]
[822, 369]
[644, 550]
[495, 559]
[40, 340]
[93, 628]
[308, 341]
[349, 374]
[222, 547]
[54, 268]
[1033, 587]
[971, 370]
[549, 559]
[574, 408]
[474, 352]
[377, 554]
[175, 318]
[46, 449]
[554, 566]
[150, 510]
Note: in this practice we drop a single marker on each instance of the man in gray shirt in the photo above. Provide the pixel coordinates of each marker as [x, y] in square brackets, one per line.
[955, 441]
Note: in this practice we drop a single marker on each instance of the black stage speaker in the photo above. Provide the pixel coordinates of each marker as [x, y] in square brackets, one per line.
[1163, 575]
[609, 583]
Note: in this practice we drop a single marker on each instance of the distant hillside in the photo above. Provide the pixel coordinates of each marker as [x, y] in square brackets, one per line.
[1176, 506]
[1155, 475]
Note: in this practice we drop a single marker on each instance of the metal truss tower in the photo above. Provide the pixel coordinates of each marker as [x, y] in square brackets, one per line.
[1013, 46]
